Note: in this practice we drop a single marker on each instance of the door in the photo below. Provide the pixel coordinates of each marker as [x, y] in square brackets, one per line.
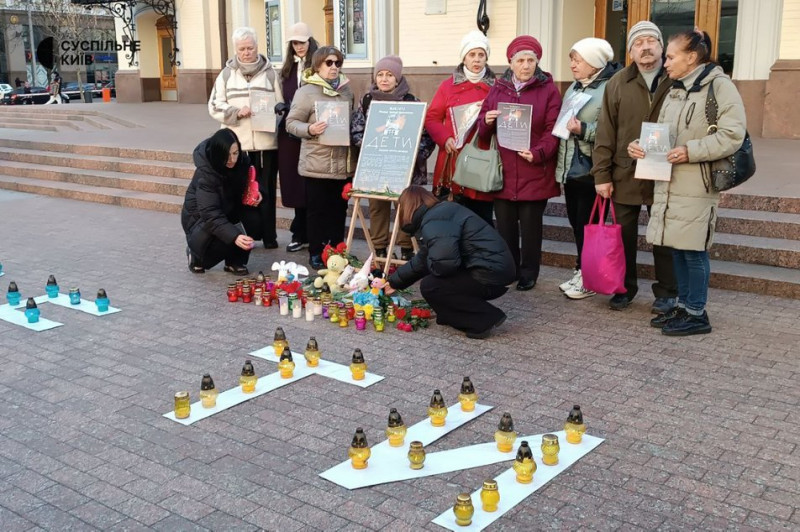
[716, 17]
[166, 46]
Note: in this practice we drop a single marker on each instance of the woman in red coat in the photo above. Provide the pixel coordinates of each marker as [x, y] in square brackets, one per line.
[528, 175]
[470, 83]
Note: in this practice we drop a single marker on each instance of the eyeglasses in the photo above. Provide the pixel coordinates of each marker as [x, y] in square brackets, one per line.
[331, 62]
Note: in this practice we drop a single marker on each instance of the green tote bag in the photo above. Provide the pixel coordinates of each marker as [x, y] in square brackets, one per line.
[478, 169]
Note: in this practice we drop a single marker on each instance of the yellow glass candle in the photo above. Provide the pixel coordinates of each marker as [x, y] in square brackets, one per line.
[279, 342]
[248, 378]
[358, 367]
[396, 429]
[550, 449]
[437, 411]
[490, 497]
[286, 365]
[575, 427]
[312, 353]
[359, 451]
[333, 312]
[463, 509]
[183, 407]
[390, 317]
[467, 397]
[208, 392]
[343, 321]
[505, 435]
[416, 455]
[524, 465]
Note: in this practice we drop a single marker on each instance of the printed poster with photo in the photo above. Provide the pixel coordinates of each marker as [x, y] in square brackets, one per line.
[337, 115]
[655, 142]
[464, 118]
[389, 148]
[262, 107]
[569, 109]
[514, 126]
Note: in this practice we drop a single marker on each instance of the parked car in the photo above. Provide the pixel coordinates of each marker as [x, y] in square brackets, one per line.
[71, 91]
[4, 88]
[18, 96]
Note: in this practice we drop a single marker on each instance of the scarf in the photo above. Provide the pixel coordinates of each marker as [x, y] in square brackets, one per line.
[587, 81]
[473, 77]
[328, 88]
[396, 95]
[299, 60]
[249, 70]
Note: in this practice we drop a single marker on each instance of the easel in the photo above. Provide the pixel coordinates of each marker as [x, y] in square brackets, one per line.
[358, 216]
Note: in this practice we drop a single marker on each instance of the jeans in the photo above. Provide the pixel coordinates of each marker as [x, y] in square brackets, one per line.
[692, 271]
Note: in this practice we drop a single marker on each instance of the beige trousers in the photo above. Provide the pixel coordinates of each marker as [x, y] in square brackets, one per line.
[379, 217]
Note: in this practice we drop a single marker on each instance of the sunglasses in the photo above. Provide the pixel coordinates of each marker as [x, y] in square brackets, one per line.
[331, 62]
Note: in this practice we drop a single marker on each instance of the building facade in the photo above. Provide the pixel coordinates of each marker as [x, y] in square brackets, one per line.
[756, 41]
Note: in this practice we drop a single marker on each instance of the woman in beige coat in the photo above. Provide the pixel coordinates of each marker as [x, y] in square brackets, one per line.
[325, 168]
[684, 210]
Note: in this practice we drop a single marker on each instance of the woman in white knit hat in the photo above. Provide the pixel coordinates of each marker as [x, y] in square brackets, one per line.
[469, 83]
[591, 66]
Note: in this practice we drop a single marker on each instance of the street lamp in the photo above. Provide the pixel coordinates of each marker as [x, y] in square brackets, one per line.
[29, 8]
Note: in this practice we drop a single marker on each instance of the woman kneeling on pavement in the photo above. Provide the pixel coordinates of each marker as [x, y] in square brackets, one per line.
[213, 205]
[684, 212]
[462, 261]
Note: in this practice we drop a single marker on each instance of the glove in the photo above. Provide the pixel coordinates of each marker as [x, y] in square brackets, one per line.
[281, 109]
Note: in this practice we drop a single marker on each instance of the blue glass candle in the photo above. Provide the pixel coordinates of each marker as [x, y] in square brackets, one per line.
[31, 311]
[75, 296]
[101, 301]
[51, 287]
[13, 294]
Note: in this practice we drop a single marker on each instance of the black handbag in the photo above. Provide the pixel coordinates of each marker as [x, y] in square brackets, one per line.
[735, 169]
[580, 169]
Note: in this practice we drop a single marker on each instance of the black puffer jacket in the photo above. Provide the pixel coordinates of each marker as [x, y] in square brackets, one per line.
[452, 238]
[213, 201]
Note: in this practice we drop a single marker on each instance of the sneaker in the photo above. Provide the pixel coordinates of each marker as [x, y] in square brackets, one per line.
[577, 291]
[296, 246]
[316, 262]
[662, 319]
[619, 302]
[406, 254]
[662, 305]
[687, 325]
[576, 275]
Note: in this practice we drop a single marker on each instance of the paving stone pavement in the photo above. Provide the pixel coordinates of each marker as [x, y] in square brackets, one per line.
[700, 432]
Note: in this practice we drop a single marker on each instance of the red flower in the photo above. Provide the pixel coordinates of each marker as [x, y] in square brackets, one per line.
[346, 191]
[399, 313]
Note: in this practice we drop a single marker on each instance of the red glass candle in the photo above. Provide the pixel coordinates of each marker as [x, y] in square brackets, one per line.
[233, 295]
[239, 286]
[247, 293]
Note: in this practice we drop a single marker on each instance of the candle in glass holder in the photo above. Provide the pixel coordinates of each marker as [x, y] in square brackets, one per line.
[258, 297]
[309, 311]
[208, 392]
[377, 319]
[101, 300]
[467, 397]
[297, 306]
[74, 296]
[350, 310]
[358, 367]
[317, 306]
[32, 311]
[524, 465]
[390, 317]
[505, 435]
[283, 305]
[279, 342]
[574, 427]
[286, 365]
[550, 449]
[463, 509]
[247, 292]
[343, 321]
[396, 429]
[333, 312]
[13, 294]
[233, 293]
[416, 455]
[51, 287]
[239, 287]
[490, 497]
[437, 411]
[359, 451]
[183, 407]
[312, 353]
[261, 281]
[248, 378]
[361, 320]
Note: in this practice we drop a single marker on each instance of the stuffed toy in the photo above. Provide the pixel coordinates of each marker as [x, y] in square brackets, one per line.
[360, 281]
[336, 265]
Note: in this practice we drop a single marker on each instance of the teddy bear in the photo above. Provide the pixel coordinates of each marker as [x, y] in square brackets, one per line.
[336, 265]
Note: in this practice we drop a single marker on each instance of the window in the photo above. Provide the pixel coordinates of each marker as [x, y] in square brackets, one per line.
[274, 37]
[353, 28]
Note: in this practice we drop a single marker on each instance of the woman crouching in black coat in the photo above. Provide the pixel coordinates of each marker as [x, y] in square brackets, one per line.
[463, 262]
[213, 203]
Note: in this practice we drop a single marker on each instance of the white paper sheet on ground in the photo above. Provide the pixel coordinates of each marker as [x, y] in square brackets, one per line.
[511, 491]
[390, 464]
[234, 396]
[9, 314]
[84, 306]
[326, 368]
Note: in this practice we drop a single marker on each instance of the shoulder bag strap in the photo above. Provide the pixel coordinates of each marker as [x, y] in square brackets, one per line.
[712, 110]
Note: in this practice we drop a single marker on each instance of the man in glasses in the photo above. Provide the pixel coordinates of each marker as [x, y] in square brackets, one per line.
[249, 82]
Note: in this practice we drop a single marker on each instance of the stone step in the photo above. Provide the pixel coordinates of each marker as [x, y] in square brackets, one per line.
[105, 179]
[784, 253]
[104, 151]
[99, 162]
[28, 127]
[27, 122]
[111, 196]
[56, 112]
[754, 278]
[61, 121]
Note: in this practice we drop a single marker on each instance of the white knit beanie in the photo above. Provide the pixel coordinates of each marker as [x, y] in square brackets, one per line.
[472, 40]
[641, 29]
[596, 52]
